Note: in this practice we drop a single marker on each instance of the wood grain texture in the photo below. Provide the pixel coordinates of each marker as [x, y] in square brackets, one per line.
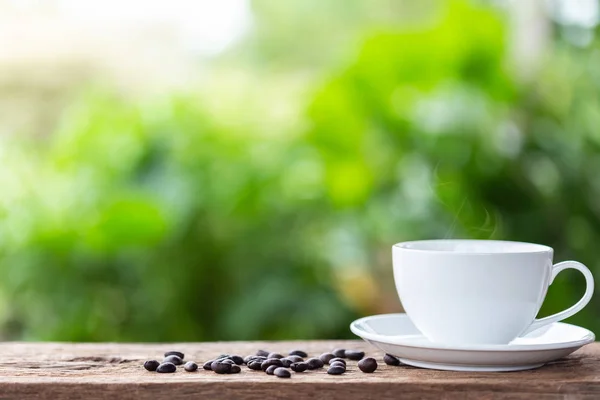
[114, 371]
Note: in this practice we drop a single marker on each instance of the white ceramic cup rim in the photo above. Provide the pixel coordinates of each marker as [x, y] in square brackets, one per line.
[450, 247]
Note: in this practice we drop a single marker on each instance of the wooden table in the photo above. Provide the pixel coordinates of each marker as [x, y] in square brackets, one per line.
[110, 371]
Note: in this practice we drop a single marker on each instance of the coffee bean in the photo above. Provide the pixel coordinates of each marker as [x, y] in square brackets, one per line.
[271, 369]
[222, 356]
[214, 363]
[220, 368]
[341, 353]
[235, 369]
[391, 360]
[237, 359]
[175, 353]
[190, 366]
[274, 355]
[338, 360]
[299, 353]
[314, 363]
[367, 365]
[336, 370]
[282, 373]
[286, 362]
[270, 361]
[295, 359]
[255, 365]
[248, 358]
[207, 364]
[262, 353]
[326, 357]
[166, 368]
[299, 367]
[354, 355]
[151, 365]
[173, 359]
[226, 361]
[257, 358]
[338, 364]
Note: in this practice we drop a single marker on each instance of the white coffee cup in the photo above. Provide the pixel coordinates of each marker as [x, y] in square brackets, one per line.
[466, 292]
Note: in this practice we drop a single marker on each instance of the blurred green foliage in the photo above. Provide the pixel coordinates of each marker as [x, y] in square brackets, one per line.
[180, 218]
[154, 222]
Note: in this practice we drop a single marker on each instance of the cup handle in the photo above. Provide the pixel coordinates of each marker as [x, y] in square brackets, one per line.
[589, 290]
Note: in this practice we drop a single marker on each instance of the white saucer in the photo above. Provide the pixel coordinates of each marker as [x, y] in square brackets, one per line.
[395, 334]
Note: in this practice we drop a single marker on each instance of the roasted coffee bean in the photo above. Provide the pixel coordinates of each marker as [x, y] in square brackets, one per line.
[341, 353]
[270, 361]
[295, 359]
[223, 356]
[354, 355]
[247, 359]
[151, 365]
[262, 353]
[173, 359]
[175, 353]
[256, 358]
[220, 368]
[207, 364]
[336, 370]
[367, 365]
[255, 365]
[190, 366]
[237, 359]
[226, 361]
[286, 362]
[271, 369]
[298, 353]
[299, 367]
[337, 364]
[235, 369]
[326, 357]
[391, 360]
[282, 373]
[338, 360]
[314, 363]
[166, 368]
[274, 355]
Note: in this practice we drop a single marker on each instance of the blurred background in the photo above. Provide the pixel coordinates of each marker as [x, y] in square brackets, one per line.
[239, 169]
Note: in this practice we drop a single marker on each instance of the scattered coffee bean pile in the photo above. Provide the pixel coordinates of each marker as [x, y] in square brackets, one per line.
[169, 363]
[272, 363]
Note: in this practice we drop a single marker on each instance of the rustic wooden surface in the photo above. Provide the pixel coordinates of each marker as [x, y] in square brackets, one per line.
[111, 371]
